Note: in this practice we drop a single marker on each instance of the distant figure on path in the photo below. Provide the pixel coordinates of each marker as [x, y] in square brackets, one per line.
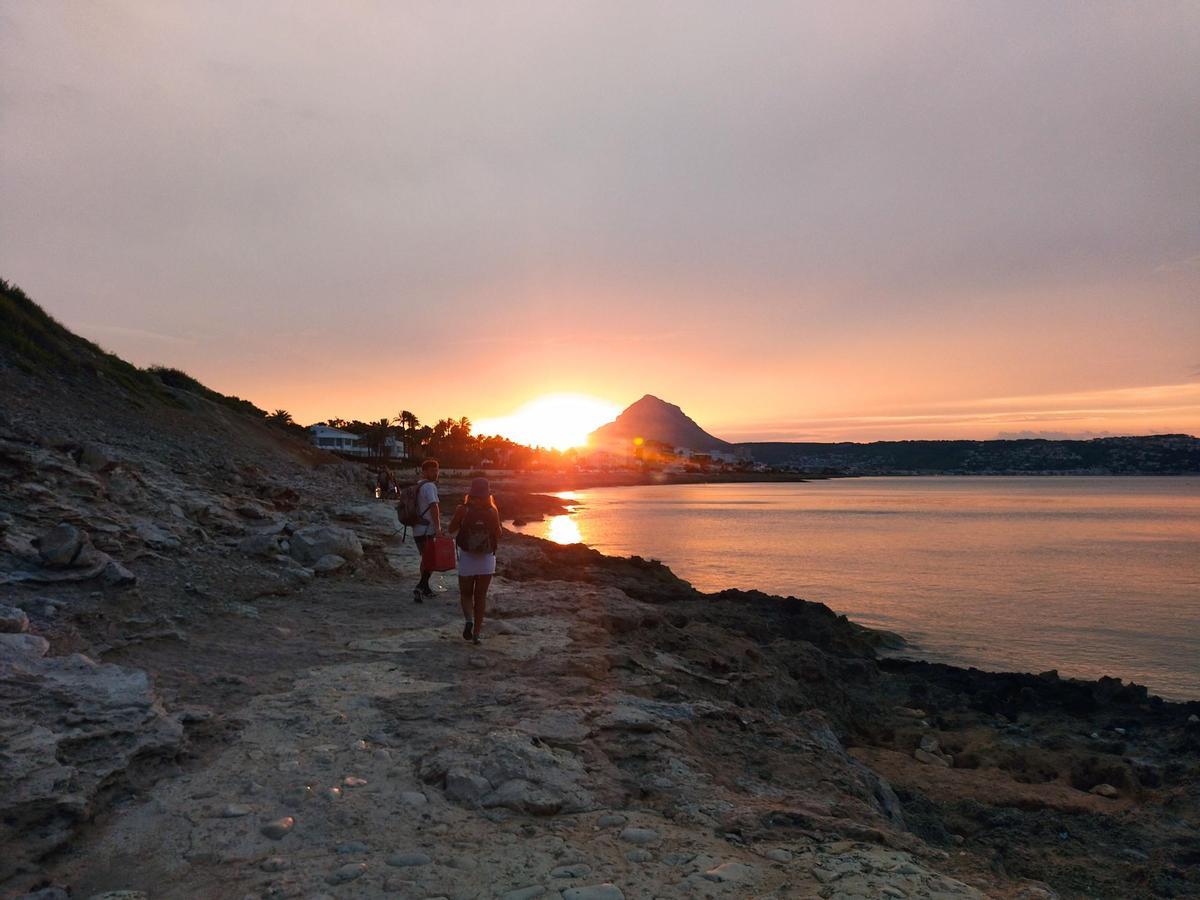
[477, 523]
[431, 523]
[385, 486]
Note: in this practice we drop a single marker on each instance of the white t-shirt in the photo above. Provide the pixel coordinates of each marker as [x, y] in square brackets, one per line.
[426, 497]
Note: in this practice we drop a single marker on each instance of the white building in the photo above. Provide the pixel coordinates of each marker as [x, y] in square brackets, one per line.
[337, 441]
[719, 456]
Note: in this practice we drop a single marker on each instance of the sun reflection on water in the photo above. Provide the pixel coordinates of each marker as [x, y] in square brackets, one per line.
[564, 530]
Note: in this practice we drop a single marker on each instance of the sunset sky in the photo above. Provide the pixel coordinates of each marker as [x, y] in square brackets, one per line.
[796, 221]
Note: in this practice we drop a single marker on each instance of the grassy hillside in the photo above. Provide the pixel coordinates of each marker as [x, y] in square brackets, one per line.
[33, 341]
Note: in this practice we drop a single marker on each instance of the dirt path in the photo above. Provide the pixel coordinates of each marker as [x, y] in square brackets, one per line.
[396, 759]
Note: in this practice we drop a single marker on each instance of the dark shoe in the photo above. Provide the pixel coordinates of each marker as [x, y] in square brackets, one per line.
[466, 631]
[427, 593]
[418, 597]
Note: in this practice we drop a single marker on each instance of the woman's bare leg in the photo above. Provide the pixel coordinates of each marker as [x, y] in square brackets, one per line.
[482, 582]
[466, 593]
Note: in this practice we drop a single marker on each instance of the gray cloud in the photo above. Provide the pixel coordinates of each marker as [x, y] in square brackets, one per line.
[360, 165]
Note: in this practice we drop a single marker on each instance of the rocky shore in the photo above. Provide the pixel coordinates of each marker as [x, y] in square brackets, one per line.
[213, 684]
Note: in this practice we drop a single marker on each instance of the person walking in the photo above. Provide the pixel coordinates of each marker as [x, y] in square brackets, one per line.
[383, 484]
[430, 525]
[476, 523]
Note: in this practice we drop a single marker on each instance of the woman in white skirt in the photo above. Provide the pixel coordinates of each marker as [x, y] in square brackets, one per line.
[477, 524]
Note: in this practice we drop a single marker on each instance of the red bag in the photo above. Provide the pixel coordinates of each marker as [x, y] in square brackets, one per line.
[438, 554]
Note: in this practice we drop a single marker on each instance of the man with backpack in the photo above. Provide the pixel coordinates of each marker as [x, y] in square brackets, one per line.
[419, 508]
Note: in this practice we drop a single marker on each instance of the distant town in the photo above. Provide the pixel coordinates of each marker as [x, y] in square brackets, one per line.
[654, 436]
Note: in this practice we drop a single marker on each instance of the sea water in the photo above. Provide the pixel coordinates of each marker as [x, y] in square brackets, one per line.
[1087, 575]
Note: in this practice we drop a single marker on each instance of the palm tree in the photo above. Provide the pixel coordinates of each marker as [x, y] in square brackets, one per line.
[376, 437]
[280, 417]
[408, 423]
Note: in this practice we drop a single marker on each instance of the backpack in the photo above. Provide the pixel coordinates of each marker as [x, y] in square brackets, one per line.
[475, 531]
[408, 509]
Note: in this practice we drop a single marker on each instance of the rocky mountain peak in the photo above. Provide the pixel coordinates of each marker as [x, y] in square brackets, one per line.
[654, 419]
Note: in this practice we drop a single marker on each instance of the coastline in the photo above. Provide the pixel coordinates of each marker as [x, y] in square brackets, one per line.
[944, 615]
[528, 497]
[276, 723]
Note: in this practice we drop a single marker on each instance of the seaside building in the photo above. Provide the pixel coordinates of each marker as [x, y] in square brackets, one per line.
[345, 442]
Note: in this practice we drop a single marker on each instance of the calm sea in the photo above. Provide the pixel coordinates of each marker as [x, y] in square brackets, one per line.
[1090, 576]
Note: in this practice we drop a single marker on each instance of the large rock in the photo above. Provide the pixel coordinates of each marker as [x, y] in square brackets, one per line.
[155, 537]
[329, 563]
[264, 545]
[309, 544]
[380, 517]
[116, 575]
[98, 457]
[508, 769]
[61, 546]
[14, 646]
[12, 620]
[71, 727]
[125, 488]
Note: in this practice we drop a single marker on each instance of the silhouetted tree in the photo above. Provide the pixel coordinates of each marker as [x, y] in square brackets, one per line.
[409, 424]
[376, 438]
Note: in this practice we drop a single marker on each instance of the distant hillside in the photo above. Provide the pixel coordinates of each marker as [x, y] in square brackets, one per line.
[34, 342]
[653, 419]
[59, 389]
[1165, 454]
[37, 344]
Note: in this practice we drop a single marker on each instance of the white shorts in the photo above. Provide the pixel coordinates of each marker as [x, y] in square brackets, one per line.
[471, 564]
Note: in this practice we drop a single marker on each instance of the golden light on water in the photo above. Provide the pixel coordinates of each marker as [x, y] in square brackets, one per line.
[555, 421]
[564, 530]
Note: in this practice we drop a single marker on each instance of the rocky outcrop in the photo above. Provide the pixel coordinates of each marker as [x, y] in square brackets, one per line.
[309, 545]
[64, 553]
[509, 769]
[378, 518]
[13, 619]
[62, 546]
[93, 722]
[22, 646]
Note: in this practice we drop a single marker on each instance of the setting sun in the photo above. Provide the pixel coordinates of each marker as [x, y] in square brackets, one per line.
[556, 421]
